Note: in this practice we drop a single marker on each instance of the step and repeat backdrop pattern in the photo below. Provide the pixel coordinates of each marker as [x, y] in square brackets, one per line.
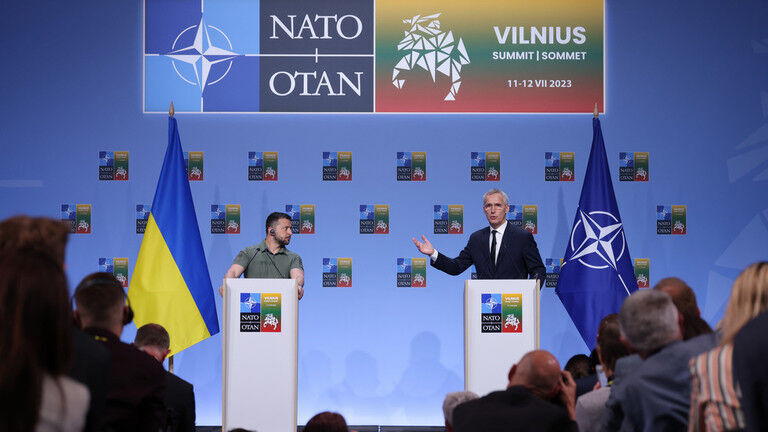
[366, 56]
[380, 331]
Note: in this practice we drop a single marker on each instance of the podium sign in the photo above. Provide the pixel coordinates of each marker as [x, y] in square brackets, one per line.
[260, 354]
[501, 324]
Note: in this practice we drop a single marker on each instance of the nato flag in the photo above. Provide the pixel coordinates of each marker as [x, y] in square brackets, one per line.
[597, 272]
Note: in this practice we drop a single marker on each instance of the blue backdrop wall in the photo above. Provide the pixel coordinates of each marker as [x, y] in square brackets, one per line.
[685, 81]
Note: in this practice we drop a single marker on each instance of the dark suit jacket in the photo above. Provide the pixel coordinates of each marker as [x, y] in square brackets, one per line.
[518, 256]
[511, 410]
[657, 395]
[135, 388]
[180, 402]
[750, 350]
[90, 366]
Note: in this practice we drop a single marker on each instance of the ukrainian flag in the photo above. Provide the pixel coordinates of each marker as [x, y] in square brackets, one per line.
[171, 285]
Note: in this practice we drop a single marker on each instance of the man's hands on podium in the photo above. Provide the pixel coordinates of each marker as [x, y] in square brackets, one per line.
[424, 247]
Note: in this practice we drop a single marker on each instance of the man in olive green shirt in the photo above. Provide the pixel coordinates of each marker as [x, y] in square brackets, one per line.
[270, 258]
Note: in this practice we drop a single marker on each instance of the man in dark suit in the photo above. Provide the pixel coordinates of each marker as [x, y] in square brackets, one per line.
[750, 351]
[539, 397]
[154, 340]
[500, 251]
[136, 382]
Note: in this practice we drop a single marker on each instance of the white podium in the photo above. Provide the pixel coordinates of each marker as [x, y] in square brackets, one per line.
[501, 323]
[260, 355]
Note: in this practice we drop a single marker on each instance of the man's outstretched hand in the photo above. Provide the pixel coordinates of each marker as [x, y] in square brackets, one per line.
[424, 247]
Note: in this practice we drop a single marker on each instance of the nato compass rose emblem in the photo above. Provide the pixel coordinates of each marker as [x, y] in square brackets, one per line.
[598, 242]
[202, 47]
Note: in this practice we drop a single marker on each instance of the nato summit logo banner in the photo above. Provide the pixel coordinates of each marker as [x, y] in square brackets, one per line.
[78, 217]
[634, 166]
[494, 56]
[142, 217]
[412, 272]
[524, 216]
[449, 219]
[411, 166]
[225, 219]
[262, 166]
[260, 312]
[337, 272]
[258, 56]
[485, 166]
[430, 56]
[194, 162]
[302, 218]
[553, 266]
[501, 313]
[374, 219]
[337, 166]
[671, 219]
[643, 272]
[116, 266]
[559, 166]
[113, 165]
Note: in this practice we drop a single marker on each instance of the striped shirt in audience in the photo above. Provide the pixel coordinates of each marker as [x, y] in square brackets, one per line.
[714, 393]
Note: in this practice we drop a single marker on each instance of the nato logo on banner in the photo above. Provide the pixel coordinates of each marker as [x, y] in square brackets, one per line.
[374, 219]
[553, 271]
[225, 219]
[262, 166]
[116, 266]
[412, 272]
[671, 219]
[449, 219]
[258, 56]
[78, 217]
[633, 166]
[260, 312]
[559, 166]
[411, 166]
[113, 165]
[597, 273]
[524, 216]
[302, 218]
[485, 166]
[194, 162]
[337, 272]
[501, 313]
[142, 217]
[643, 272]
[337, 166]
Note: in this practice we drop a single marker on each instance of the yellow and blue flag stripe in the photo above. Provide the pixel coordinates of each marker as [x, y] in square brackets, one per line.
[171, 285]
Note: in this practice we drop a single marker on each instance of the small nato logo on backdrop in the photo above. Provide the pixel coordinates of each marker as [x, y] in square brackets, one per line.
[302, 218]
[262, 166]
[142, 217]
[411, 166]
[337, 166]
[485, 166]
[634, 167]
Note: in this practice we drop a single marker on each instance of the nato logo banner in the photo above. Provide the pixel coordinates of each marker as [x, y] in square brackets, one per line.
[643, 272]
[374, 219]
[559, 166]
[553, 271]
[412, 272]
[411, 166]
[448, 219]
[337, 166]
[116, 266]
[194, 162]
[259, 56]
[634, 166]
[490, 313]
[671, 219]
[485, 166]
[262, 166]
[113, 165]
[302, 218]
[78, 217]
[225, 219]
[142, 217]
[501, 313]
[250, 312]
[337, 272]
[524, 216]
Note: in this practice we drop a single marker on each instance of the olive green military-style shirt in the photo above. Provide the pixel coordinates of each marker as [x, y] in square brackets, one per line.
[260, 263]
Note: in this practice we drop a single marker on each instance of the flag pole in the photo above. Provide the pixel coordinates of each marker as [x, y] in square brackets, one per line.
[171, 111]
[595, 109]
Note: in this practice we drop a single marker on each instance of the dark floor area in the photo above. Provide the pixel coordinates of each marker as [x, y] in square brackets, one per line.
[355, 428]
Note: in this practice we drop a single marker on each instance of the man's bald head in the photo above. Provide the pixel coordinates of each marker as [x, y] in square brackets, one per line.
[539, 371]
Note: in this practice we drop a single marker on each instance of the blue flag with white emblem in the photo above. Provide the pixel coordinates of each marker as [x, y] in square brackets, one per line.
[597, 272]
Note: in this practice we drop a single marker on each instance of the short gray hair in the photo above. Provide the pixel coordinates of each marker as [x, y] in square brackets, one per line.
[495, 191]
[649, 320]
[452, 400]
